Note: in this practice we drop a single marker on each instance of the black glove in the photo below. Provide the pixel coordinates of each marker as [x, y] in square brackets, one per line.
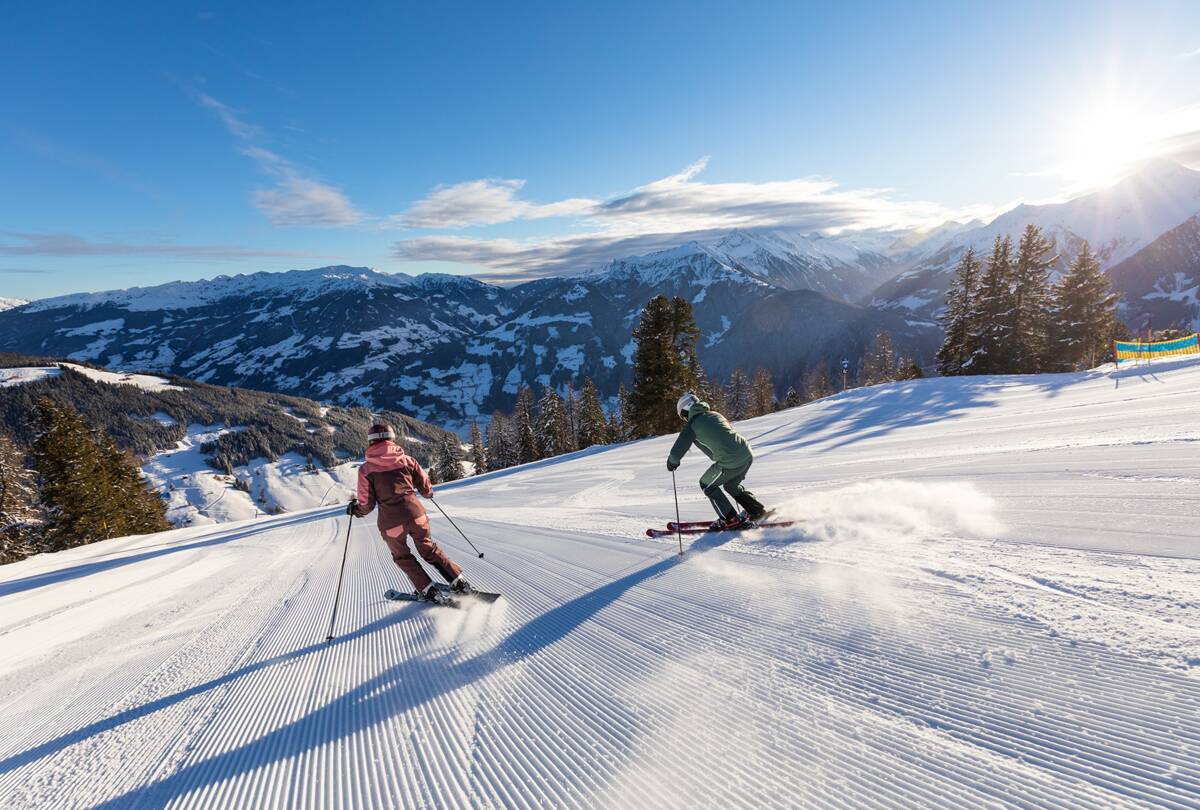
[352, 508]
[672, 465]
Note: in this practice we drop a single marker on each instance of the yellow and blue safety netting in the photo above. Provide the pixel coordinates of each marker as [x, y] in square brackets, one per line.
[1135, 350]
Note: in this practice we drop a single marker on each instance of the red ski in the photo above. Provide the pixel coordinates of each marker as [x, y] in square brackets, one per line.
[704, 524]
[701, 527]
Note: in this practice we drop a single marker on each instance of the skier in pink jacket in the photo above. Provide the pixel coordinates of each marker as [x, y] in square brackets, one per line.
[391, 479]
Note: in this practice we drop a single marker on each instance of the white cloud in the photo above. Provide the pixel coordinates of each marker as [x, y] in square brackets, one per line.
[482, 202]
[303, 202]
[657, 215]
[296, 199]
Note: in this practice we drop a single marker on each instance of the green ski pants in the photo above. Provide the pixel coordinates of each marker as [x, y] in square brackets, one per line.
[718, 480]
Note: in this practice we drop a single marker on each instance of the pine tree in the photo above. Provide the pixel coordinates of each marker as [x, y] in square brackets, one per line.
[447, 460]
[616, 433]
[553, 432]
[737, 395]
[653, 370]
[92, 490]
[1085, 315]
[525, 440]
[817, 383]
[142, 508]
[1029, 319]
[961, 330]
[880, 362]
[762, 393]
[618, 428]
[593, 429]
[793, 398]
[664, 365]
[993, 314]
[571, 411]
[499, 448]
[478, 451]
[909, 370]
[715, 397]
[20, 516]
[684, 334]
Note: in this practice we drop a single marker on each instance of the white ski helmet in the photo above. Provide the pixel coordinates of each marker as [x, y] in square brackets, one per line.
[685, 404]
[381, 431]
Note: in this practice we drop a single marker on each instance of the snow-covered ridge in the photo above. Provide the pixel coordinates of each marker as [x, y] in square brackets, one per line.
[692, 262]
[188, 294]
[1117, 221]
[10, 303]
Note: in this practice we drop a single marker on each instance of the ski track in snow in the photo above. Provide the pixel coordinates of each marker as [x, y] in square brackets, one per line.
[997, 606]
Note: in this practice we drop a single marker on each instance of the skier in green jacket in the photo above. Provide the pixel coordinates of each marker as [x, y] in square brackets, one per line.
[731, 457]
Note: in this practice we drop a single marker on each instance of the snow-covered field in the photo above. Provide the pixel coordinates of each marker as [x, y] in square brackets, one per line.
[147, 382]
[993, 598]
[196, 494]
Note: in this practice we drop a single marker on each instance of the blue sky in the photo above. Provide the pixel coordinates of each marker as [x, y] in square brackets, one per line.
[146, 142]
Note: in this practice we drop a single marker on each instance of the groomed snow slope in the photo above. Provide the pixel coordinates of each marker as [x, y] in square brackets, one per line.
[993, 599]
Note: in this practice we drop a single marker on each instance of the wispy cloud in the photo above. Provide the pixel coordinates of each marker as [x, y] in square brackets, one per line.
[296, 199]
[660, 214]
[483, 202]
[22, 271]
[15, 243]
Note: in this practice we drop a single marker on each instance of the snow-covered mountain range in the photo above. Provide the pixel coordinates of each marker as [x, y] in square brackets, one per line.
[450, 349]
[1120, 222]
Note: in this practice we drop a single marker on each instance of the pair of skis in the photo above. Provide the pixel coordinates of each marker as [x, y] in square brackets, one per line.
[451, 598]
[704, 527]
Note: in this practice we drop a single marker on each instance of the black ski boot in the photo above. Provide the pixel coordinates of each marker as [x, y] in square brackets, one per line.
[754, 510]
[435, 595]
[460, 585]
[722, 525]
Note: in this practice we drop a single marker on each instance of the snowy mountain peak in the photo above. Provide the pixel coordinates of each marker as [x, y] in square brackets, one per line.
[1118, 222]
[689, 260]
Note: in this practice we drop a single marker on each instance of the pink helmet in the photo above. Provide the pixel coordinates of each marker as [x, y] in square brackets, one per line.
[381, 431]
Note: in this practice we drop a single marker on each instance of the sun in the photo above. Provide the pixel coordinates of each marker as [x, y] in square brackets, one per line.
[1104, 144]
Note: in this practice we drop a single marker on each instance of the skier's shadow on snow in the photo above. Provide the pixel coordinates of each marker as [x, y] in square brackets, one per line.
[373, 701]
[97, 566]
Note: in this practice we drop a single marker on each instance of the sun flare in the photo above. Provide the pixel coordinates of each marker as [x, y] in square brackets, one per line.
[1105, 144]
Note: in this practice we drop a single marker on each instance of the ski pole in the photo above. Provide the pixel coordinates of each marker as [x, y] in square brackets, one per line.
[460, 531]
[337, 596]
[678, 531]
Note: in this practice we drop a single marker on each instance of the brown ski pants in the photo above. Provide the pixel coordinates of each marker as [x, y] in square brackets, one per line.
[396, 538]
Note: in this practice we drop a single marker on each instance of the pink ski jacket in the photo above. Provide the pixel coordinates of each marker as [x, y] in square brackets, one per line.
[391, 478]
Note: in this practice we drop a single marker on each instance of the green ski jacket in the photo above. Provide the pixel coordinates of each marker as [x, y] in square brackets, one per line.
[713, 434]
